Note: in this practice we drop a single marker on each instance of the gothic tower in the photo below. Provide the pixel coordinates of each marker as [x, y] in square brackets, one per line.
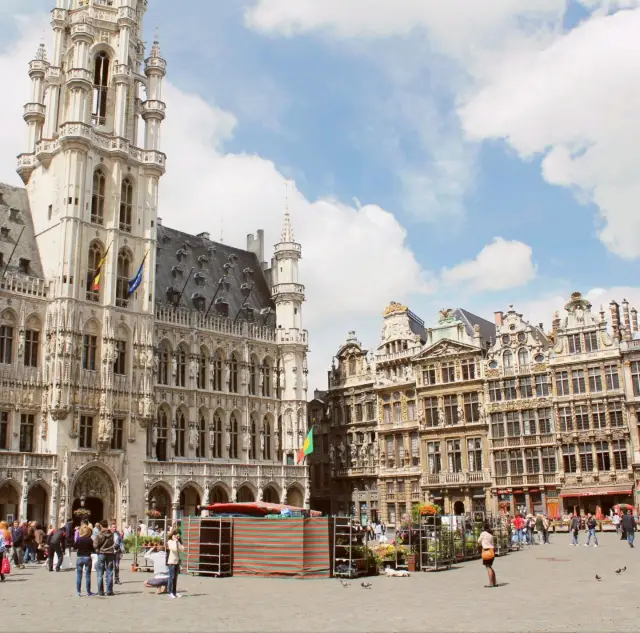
[288, 296]
[93, 191]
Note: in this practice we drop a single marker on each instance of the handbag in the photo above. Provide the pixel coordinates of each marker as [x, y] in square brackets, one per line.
[488, 554]
[5, 570]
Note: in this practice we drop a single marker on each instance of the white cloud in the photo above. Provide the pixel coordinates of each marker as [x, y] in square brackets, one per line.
[500, 265]
[575, 102]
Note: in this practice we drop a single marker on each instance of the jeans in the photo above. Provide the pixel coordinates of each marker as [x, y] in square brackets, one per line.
[1, 559]
[172, 587]
[574, 537]
[631, 535]
[105, 565]
[545, 536]
[18, 555]
[590, 533]
[30, 553]
[83, 563]
[116, 568]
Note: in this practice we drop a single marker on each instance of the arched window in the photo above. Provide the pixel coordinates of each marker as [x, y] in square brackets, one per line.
[507, 359]
[126, 205]
[233, 373]
[122, 279]
[253, 376]
[163, 429]
[217, 435]
[266, 429]
[217, 371]
[253, 438]
[352, 367]
[202, 369]
[266, 378]
[98, 197]
[163, 364]
[94, 278]
[181, 431]
[181, 367]
[523, 357]
[233, 448]
[201, 448]
[100, 88]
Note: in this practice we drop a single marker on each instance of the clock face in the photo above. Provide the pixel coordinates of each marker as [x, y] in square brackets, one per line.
[506, 339]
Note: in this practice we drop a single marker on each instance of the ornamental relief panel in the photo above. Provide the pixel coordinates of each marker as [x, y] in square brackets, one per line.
[516, 405]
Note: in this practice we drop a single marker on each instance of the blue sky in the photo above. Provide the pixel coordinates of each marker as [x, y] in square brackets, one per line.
[415, 138]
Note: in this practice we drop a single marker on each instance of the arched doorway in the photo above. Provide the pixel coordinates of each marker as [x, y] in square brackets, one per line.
[9, 502]
[94, 505]
[218, 494]
[245, 495]
[189, 499]
[458, 508]
[96, 488]
[295, 497]
[160, 500]
[37, 502]
[270, 495]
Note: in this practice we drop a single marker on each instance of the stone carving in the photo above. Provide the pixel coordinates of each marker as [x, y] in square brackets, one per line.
[332, 454]
[460, 413]
[212, 437]
[441, 418]
[174, 434]
[193, 435]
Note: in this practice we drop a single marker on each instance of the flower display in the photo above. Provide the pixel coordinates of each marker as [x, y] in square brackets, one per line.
[153, 514]
[82, 513]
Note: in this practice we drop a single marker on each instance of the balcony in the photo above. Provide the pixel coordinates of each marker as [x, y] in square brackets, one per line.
[356, 471]
[448, 479]
[401, 355]
[284, 289]
[152, 108]
[208, 470]
[33, 111]
[285, 247]
[292, 335]
[79, 78]
[27, 461]
[28, 286]
[527, 480]
[523, 440]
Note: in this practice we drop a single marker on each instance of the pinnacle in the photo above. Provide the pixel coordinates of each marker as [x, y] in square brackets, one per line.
[155, 49]
[41, 53]
[287, 229]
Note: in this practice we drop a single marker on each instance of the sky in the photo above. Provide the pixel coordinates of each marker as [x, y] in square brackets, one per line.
[441, 154]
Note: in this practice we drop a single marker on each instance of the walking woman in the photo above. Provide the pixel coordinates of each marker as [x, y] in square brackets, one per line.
[173, 563]
[486, 545]
[84, 549]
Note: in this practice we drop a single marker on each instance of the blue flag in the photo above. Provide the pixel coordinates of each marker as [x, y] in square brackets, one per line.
[137, 280]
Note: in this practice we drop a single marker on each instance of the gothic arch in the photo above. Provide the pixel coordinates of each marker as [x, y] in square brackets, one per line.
[295, 495]
[221, 353]
[38, 482]
[34, 322]
[123, 331]
[241, 495]
[222, 413]
[204, 411]
[102, 47]
[97, 480]
[12, 483]
[219, 493]
[91, 326]
[163, 485]
[9, 317]
[195, 485]
[221, 484]
[271, 492]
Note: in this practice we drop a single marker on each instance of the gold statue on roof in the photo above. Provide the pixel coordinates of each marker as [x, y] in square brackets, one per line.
[393, 308]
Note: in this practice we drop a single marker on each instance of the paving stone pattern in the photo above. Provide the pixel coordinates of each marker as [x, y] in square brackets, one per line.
[544, 588]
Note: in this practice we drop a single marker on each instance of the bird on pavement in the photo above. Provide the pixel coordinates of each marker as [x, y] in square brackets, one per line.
[366, 585]
[618, 571]
[598, 577]
[624, 568]
[343, 583]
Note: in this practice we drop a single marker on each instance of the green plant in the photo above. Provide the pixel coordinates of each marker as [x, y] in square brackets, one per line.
[144, 542]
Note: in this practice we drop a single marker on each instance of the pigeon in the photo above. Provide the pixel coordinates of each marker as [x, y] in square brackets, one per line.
[343, 583]
[366, 585]
[598, 577]
[618, 571]
[624, 568]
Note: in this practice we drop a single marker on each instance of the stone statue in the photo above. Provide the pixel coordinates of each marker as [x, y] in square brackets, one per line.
[262, 443]
[174, 434]
[212, 437]
[354, 452]
[193, 368]
[332, 454]
[193, 436]
[440, 417]
[154, 435]
[174, 366]
[21, 344]
[460, 413]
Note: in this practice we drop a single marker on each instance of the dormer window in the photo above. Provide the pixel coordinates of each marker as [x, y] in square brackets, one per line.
[222, 307]
[181, 254]
[203, 259]
[23, 265]
[200, 278]
[177, 271]
[198, 301]
[13, 214]
[4, 231]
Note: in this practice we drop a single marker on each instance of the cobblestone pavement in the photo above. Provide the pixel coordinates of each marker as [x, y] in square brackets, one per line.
[544, 588]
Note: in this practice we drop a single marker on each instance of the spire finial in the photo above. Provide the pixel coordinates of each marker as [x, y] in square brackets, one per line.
[221, 230]
[155, 49]
[41, 53]
[287, 229]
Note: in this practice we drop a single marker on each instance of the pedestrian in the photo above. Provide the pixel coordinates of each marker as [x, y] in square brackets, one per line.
[615, 519]
[518, 526]
[84, 549]
[546, 524]
[574, 528]
[629, 527]
[118, 551]
[487, 547]
[104, 546]
[30, 554]
[68, 530]
[174, 547]
[592, 524]
[56, 544]
[5, 537]
[17, 538]
[540, 528]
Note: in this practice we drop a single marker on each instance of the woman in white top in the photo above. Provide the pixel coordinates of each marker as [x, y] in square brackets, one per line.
[486, 545]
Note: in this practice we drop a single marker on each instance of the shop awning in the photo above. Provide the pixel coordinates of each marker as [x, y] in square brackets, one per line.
[596, 491]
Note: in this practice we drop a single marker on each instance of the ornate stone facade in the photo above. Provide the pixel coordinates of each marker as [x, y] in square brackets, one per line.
[126, 380]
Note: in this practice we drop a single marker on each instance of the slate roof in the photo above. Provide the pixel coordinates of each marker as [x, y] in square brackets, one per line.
[14, 216]
[487, 328]
[416, 325]
[178, 252]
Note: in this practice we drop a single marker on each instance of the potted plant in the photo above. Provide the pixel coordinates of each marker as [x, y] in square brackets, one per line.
[82, 513]
[153, 513]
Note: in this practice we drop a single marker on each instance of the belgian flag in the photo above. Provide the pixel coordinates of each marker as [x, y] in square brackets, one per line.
[95, 284]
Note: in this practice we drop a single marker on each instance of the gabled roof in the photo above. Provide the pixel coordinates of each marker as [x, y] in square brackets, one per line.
[446, 347]
[487, 328]
[15, 221]
[179, 252]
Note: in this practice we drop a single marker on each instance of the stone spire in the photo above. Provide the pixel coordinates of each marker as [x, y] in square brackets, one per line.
[155, 49]
[287, 229]
[41, 53]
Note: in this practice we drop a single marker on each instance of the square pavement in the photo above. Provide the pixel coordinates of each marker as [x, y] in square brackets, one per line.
[543, 588]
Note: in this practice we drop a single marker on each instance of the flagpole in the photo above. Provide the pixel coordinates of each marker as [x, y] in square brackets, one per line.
[184, 288]
[220, 284]
[4, 272]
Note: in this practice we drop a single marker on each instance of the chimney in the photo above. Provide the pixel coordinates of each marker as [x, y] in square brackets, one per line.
[497, 317]
[204, 235]
[634, 320]
[615, 319]
[255, 244]
[555, 325]
[627, 320]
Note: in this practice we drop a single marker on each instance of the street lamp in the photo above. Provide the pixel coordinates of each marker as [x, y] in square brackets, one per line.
[153, 503]
[83, 500]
